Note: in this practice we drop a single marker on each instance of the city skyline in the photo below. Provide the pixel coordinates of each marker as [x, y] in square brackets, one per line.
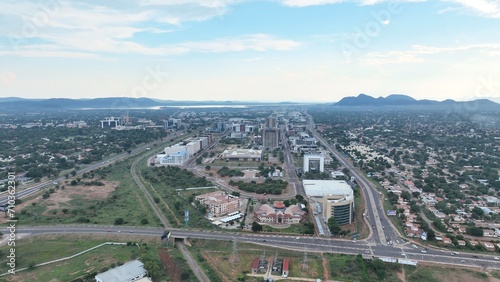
[287, 50]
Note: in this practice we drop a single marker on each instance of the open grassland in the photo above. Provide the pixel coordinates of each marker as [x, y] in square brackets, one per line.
[360, 205]
[118, 197]
[429, 273]
[354, 268]
[39, 249]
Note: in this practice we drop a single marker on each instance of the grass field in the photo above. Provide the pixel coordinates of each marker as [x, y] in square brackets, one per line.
[40, 249]
[83, 204]
[439, 274]
[294, 228]
[360, 206]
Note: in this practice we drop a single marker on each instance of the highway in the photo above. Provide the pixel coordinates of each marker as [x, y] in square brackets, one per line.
[299, 243]
[380, 230]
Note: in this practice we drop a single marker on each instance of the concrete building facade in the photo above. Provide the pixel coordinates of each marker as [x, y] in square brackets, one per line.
[219, 203]
[335, 196]
[279, 214]
[314, 163]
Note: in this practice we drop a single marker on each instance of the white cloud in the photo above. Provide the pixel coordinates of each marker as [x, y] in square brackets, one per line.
[252, 59]
[305, 3]
[418, 53]
[486, 8]
[254, 42]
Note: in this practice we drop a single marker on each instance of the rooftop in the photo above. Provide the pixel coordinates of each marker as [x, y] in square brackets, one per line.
[326, 187]
[124, 272]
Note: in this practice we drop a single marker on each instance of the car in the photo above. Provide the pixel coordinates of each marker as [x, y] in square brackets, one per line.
[497, 258]
[297, 238]
[462, 261]
[423, 251]
[264, 240]
[474, 256]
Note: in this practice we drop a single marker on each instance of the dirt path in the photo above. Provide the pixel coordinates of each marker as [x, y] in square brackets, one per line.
[402, 275]
[326, 273]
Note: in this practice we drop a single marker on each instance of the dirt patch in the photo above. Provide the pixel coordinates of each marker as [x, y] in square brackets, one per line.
[401, 275]
[67, 194]
[325, 268]
[170, 268]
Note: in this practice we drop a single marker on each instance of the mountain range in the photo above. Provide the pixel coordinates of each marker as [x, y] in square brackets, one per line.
[362, 100]
[10, 103]
[400, 100]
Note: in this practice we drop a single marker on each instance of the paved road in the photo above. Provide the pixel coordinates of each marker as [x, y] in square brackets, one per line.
[299, 243]
[380, 230]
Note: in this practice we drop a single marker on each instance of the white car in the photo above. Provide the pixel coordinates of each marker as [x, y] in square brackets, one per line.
[497, 258]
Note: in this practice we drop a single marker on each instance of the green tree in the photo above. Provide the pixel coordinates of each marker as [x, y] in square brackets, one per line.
[119, 221]
[256, 227]
[333, 226]
[474, 231]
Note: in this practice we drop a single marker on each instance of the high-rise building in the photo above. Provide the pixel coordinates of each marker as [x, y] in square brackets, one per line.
[270, 122]
[270, 138]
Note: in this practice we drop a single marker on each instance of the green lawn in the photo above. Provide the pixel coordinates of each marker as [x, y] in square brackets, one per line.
[40, 249]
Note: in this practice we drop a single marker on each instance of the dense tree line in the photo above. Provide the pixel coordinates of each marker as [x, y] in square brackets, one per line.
[269, 186]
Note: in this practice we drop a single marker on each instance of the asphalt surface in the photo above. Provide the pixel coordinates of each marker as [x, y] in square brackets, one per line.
[299, 243]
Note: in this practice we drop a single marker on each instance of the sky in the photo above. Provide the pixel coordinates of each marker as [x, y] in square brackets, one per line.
[267, 50]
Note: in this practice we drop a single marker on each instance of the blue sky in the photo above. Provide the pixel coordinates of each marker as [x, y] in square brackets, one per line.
[267, 50]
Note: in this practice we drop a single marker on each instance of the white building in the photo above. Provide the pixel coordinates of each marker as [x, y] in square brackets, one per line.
[336, 197]
[314, 162]
[128, 272]
[110, 122]
[173, 159]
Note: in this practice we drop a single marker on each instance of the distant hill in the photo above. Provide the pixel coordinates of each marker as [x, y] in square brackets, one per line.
[106, 103]
[63, 103]
[363, 100]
